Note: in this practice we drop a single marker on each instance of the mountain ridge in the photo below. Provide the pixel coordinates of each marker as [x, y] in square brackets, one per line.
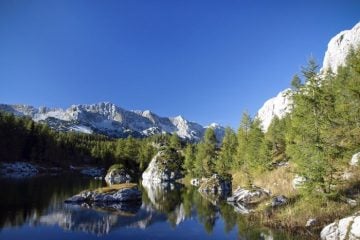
[111, 120]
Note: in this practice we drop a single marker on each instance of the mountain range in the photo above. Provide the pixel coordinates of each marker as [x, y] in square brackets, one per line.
[110, 120]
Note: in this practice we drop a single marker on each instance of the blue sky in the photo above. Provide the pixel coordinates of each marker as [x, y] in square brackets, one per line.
[206, 60]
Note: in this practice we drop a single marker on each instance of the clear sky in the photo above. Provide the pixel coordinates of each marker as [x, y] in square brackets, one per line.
[206, 60]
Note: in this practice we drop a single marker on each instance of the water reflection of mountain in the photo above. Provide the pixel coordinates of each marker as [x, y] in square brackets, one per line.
[77, 218]
[159, 204]
[29, 198]
[39, 202]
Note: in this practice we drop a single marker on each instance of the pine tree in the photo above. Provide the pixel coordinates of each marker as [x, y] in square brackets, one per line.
[189, 162]
[175, 141]
[206, 154]
[242, 140]
[227, 154]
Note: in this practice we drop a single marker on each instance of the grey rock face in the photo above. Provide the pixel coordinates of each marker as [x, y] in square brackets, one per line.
[345, 228]
[162, 170]
[116, 176]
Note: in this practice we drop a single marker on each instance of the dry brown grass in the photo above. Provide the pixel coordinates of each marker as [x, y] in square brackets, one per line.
[278, 181]
[295, 215]
[115, 187]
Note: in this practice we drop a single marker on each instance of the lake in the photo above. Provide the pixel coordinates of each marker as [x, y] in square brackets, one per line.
[33, 208]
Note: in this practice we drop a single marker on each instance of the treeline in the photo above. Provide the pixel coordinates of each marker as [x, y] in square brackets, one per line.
[318, 136]
[22, 139]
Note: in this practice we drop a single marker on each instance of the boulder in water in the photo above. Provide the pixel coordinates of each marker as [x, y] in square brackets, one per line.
[114, 194]
[164, 167]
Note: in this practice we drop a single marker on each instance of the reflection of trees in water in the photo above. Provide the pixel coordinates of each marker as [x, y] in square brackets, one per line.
[24, 199]
[40, 201]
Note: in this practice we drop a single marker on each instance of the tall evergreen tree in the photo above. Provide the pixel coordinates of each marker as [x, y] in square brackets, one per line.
[206, 154]
[189, 161]
[227, 154]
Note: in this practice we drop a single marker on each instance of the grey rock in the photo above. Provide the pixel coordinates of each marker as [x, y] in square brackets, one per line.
[298, 181]
[116, 176]
[122, 195]
[279, 201]
[249, 196]
[162, 170]
[355, 159]
[345, 228]
[311, 222]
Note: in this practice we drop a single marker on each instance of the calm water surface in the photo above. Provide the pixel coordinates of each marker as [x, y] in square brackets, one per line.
[34, 209]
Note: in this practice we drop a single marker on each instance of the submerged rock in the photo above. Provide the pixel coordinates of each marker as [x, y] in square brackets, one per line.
[18, 170]
[216, 185]
[162, 169]
[117, 175]
[346, 228]
[246, 196]
[118, 193]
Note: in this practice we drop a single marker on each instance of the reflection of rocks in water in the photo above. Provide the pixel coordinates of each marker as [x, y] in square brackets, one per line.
[212, 198]
[121, 208]
[76, 218]
[79, 219]
[163, 196]
[240, 207]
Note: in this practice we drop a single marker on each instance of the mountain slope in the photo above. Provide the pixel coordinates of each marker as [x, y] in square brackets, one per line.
[108, 119]
[335, 56]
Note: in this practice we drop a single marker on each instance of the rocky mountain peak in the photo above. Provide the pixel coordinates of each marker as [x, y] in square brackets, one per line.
[335, 56]
[340, 46]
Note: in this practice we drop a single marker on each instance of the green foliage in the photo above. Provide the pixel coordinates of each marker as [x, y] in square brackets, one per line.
[116, 166]
[276, 140]
[175, 141]
[325, 124]
[206, 154]
[21, 139]
[227, 154]
[189, 161]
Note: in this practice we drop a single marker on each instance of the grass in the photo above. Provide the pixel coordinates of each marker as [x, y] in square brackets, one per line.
[301, 208]
[115, 187]
[278, 181]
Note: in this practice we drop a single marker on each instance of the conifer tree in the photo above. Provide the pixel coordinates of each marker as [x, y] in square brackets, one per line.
[227, 154]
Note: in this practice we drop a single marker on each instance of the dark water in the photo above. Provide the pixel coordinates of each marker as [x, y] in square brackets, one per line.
[34, 209]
